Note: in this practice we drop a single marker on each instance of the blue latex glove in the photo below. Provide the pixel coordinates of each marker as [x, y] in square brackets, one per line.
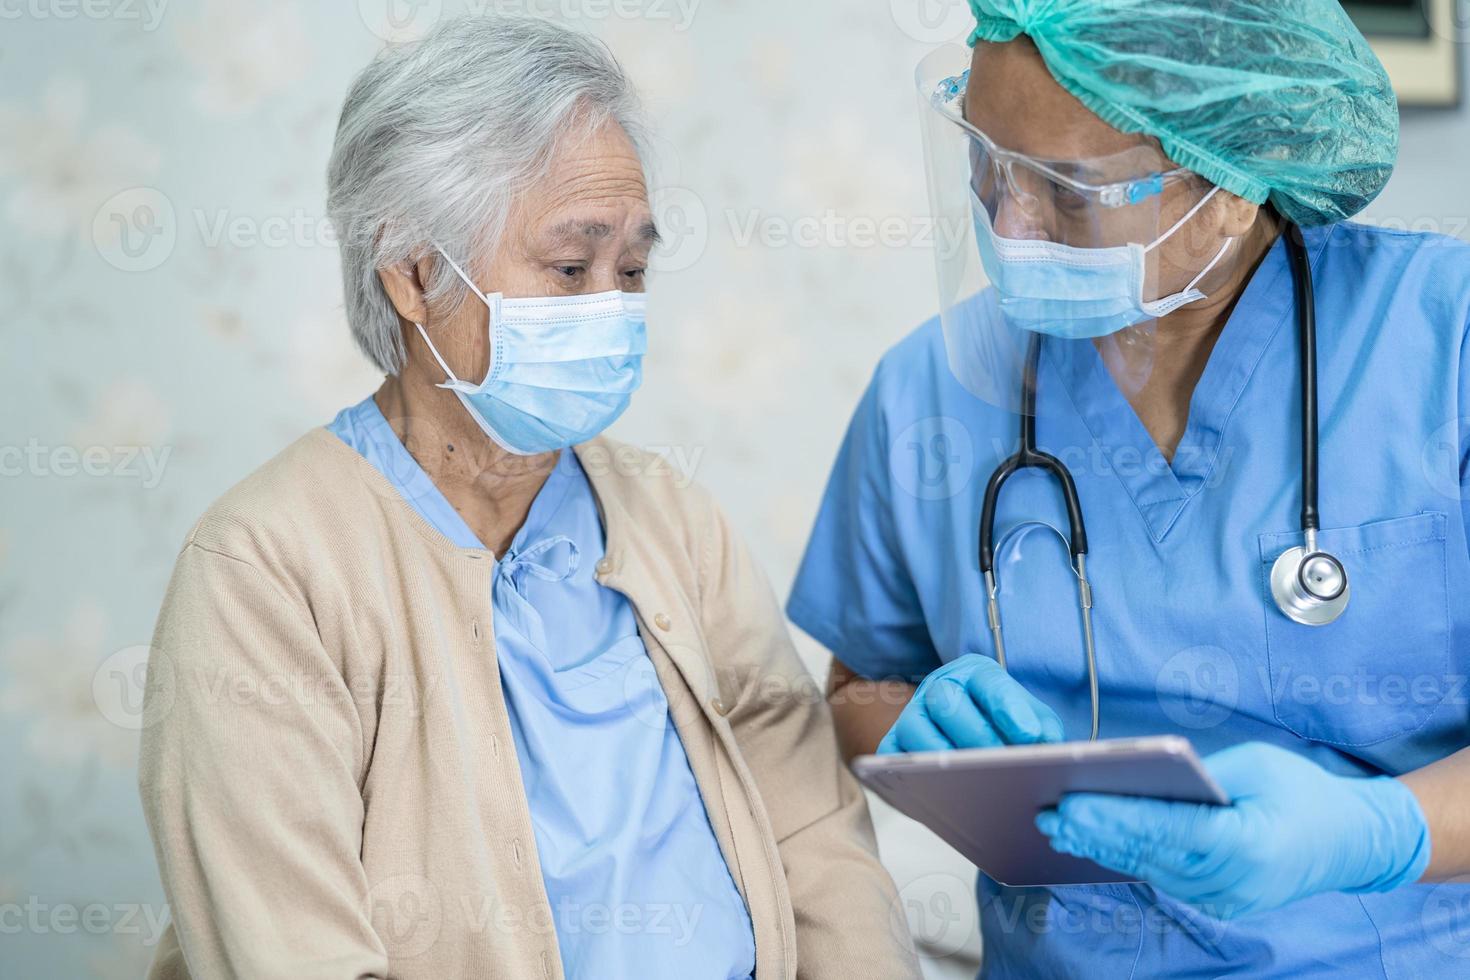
[971, 703]
[1294, 830]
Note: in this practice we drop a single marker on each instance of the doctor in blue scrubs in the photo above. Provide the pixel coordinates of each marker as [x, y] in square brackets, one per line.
[1135, 174]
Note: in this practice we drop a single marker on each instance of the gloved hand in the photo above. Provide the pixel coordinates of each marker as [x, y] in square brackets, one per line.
[971, 703]
[1294, 830]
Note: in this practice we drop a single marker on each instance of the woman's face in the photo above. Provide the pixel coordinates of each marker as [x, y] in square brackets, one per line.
[584, 227]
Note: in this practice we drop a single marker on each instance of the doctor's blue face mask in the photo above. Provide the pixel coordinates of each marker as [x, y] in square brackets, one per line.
[1073, 292]
[562, 368]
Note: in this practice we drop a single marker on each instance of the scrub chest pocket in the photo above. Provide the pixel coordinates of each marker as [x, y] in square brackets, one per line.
[1383, 668]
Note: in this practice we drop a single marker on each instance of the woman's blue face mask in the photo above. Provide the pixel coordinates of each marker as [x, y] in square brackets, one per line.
[562, 368]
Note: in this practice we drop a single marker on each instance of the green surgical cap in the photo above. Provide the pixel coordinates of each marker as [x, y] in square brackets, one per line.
[1278, 100]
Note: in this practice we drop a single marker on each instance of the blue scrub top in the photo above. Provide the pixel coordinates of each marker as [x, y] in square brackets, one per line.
[1189, 640]
[637, 883]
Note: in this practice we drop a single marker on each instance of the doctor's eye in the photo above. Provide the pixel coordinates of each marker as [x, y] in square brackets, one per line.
[634, 277]
[1067, 199]
[570, 272]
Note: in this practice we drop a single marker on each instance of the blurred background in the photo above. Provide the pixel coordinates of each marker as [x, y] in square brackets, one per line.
[170, 317]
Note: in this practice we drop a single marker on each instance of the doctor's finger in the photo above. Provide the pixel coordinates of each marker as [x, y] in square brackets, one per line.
[959, 719]
[915, 731]
[1143, 823]
[1173, 870]
[1017, 716]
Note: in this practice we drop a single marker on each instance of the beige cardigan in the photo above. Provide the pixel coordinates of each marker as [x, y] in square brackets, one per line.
[327, 766]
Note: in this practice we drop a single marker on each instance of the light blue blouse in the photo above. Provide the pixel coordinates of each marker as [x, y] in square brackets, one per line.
[637, 883]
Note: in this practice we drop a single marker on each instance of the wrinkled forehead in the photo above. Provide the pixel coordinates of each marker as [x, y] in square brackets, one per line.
[592, 190]
[1013, 99]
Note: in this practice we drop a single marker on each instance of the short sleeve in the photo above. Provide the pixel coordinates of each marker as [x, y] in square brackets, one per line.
[853, 592]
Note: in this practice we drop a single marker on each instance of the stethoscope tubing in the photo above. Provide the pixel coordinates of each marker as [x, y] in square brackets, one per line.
[1029, 456]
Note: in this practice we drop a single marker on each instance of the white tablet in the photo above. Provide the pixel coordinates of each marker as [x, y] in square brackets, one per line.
[984, 802]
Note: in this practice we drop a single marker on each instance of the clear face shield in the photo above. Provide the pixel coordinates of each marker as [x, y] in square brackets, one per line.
[1070, 248]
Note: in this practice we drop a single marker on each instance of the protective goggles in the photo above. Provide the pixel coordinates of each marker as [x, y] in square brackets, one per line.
[1094, 202]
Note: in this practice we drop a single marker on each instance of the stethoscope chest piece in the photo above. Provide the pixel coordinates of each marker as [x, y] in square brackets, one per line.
[1310, 586]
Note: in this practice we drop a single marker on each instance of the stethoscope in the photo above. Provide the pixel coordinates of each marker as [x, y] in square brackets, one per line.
[1309, 586]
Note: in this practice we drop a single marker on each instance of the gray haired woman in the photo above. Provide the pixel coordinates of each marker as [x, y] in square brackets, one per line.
[432, 697]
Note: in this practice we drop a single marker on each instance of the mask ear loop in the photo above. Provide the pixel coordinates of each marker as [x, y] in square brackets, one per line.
[1209, 265]
[454, 382]
[1182, 221]
[492, 305]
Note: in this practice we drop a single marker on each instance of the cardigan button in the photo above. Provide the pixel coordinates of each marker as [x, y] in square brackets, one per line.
[603, 566]
[721, 706]
[663, 622]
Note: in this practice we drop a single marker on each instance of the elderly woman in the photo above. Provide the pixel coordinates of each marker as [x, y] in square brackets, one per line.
[456, 687]
[1155, 187]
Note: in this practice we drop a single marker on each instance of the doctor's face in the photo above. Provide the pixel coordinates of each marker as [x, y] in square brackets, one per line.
[1013, 99]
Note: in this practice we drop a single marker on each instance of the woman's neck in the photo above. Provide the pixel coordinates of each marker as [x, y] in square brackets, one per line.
[490, 488]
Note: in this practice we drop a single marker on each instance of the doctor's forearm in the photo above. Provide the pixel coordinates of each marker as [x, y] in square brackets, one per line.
[1443, 791]
[863, 710]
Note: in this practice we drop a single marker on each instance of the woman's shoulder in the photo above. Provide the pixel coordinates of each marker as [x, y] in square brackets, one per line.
[302, 499]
